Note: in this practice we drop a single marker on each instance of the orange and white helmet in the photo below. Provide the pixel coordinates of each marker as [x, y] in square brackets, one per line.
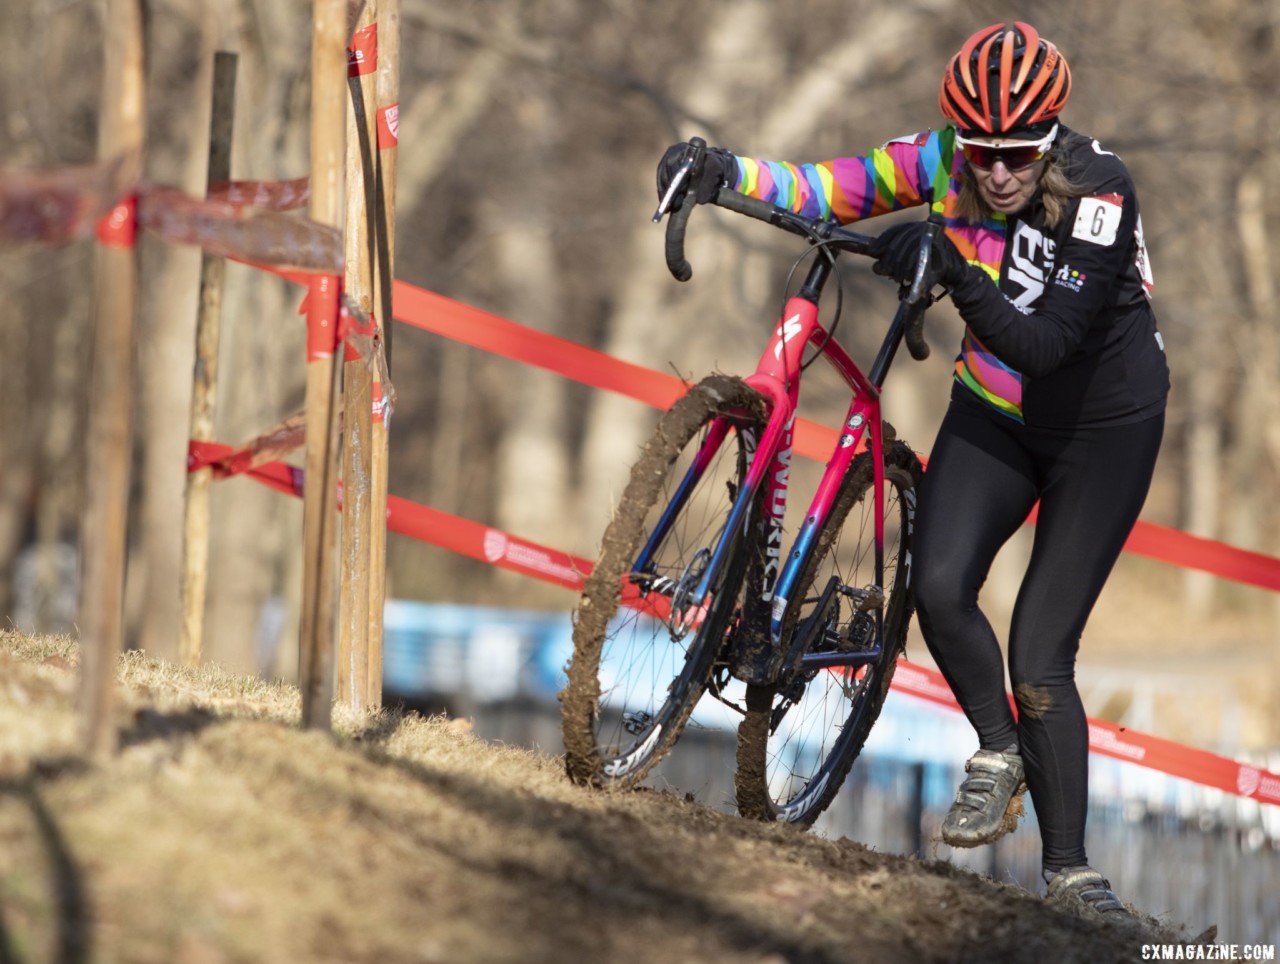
[1005, 79]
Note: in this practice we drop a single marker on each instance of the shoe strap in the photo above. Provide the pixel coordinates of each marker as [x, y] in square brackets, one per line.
[977, 790]
[990, 762]
[1093, 888]
[976, 793]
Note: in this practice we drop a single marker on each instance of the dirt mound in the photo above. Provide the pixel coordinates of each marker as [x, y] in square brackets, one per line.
[222, 832]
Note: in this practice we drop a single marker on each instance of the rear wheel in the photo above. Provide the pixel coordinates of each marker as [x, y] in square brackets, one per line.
[638, 670]
[799, 738]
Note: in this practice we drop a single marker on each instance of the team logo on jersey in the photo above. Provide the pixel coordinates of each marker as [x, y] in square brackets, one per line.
[1030, 260]
[1069, 278]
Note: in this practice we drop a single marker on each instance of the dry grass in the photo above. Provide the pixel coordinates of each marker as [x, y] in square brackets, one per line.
[222, 832]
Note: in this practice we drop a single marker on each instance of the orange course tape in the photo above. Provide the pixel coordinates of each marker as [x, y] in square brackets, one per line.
[491, 333]
[388, 127]
[270, 195]
[321, 307]
[506, 551]
[1121, 743]
[70, 203]
[362, 53]
[118, 228]
[419, 522]
[499, 336]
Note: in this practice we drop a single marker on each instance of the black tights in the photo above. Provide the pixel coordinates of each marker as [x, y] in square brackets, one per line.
[985, 474]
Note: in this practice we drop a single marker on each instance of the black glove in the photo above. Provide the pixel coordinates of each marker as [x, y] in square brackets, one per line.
[715, 169]
[897, 251]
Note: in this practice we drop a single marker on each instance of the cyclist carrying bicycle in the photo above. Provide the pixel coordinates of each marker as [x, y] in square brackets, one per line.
[1058, 398]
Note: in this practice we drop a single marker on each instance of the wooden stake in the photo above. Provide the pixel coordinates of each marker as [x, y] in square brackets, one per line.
[388, 99]
[353, 631]
[388, 96]
[204, 387]
[328, 99]
[110, 442]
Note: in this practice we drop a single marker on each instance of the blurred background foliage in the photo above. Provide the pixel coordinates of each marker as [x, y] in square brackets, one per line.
[529, 131]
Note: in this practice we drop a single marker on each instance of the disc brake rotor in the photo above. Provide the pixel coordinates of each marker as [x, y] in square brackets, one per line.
[684, 609]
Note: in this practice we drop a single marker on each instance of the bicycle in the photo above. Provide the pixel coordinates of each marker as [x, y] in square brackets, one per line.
[694, 556]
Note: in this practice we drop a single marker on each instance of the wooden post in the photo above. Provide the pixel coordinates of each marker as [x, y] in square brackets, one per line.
[357, 395]
[388, 95]
[388, 98]
[110, 443]
[204, 384]
[328, 130]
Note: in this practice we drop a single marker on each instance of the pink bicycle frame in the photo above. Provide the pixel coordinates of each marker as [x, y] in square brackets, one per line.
[777, 378]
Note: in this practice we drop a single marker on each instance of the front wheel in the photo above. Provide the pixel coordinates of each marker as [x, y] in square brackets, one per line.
[799, 737]
[637, 671]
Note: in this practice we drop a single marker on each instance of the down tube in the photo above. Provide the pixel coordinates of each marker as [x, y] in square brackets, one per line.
[776, 438]
[863, 413]
[710, 446]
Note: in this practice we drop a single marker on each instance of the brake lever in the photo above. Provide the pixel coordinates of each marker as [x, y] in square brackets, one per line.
[921, 283]
[919, 296]
[674, 188]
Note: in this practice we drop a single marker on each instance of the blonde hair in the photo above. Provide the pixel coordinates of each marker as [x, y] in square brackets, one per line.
[1056, 187]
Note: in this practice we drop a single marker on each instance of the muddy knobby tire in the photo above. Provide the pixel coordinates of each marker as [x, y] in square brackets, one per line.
[591, 755]
[769, 786]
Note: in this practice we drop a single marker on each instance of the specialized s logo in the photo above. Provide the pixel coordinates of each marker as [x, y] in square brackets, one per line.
[786, 331]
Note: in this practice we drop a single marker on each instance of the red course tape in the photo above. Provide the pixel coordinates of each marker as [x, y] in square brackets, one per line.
[322, 316]
[362, 54]
[506, 551]
[118, 228]
[497, 335]
[388, 127]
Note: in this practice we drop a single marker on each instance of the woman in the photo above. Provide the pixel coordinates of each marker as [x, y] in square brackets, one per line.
[1058, 398]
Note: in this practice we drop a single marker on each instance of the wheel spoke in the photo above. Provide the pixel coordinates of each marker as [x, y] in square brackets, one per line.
[818, 719]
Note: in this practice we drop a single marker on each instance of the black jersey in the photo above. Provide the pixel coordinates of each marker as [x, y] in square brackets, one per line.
[1070, 317]
[1065, 336]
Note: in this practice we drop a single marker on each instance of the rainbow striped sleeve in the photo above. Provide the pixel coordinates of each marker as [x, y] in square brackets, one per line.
[903, 173]
[988, 377]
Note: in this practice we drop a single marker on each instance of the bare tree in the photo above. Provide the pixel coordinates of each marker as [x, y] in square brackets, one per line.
[529, 135]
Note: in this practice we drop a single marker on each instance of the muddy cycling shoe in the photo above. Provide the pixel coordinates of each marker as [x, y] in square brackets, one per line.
[1084, 892]
[989, 801]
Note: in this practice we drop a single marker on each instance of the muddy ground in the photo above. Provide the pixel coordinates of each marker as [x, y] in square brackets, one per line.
[223, 832]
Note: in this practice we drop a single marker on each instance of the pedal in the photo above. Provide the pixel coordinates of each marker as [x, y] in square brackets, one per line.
[860, 634]
[864, 600]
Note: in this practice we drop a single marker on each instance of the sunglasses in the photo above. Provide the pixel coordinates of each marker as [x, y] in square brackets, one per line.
[1015, 157]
